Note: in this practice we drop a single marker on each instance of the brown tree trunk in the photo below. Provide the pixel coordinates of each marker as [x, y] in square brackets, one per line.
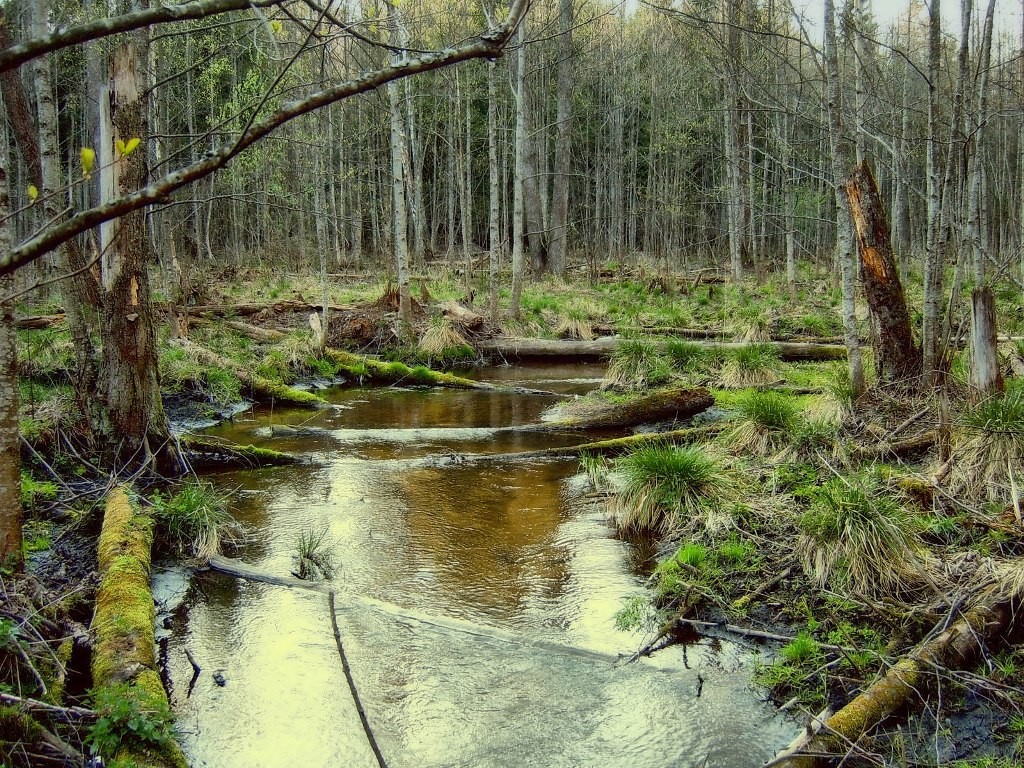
[138, 429]
[897, 357]
[10, 450]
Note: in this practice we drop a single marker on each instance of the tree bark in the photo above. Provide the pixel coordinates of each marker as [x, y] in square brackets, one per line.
[130, 386]
[563, 142]
[986, 377]
[10, 449]
[897, 357]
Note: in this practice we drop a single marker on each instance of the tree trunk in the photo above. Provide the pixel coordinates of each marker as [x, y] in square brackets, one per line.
[986, 378]
[399, 185]
[897, 358]
[493, 227]
[10, 448]
[518, 260]
[563, 143]
[130, 386]
[840, 157]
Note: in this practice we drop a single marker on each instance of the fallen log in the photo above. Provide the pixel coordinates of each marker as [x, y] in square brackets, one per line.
[606, 346]
[949, 647]
[38, 322]
[261, 389]
[207, 451]
[915, 444]
[648, 408]
[124, 651]
[240, 570]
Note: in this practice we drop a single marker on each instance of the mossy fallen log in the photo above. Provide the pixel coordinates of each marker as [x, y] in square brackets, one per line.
[605, 347]
[648, 408]
[262, 389]
[123, 625]
[950, 647]
[207, 451]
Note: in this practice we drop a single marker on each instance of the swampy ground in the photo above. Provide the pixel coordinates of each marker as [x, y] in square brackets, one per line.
[781, 550]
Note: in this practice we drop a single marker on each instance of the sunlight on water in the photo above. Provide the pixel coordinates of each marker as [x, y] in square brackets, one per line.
[476, 600]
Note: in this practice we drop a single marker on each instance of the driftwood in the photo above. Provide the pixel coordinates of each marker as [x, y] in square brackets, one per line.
[462, 316]
[261, 388]
[238, 569]
[947, 647]
[605, 347]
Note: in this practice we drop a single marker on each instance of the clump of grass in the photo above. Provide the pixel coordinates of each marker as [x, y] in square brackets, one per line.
[752, 365]
[595, 468]
[801, 649]
[859, 531]
[766, 424]
[314, 556]
[839, 393]
[686, 356]
[196, 519]
[988, 450]
[440, 337]
[691, 554]
[180, 370]
[636, 365]
[637, 613]
[575, 324]
[666, 487]
[736, 551]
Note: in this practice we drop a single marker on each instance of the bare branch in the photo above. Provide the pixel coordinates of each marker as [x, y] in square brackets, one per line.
[488, 45]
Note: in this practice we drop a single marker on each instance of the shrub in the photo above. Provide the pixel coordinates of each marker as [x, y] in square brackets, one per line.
[129, 716]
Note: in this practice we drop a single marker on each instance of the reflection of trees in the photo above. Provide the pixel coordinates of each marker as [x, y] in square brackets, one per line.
[487, 531]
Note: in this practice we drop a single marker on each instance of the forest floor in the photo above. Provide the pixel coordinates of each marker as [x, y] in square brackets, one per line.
[835, 536]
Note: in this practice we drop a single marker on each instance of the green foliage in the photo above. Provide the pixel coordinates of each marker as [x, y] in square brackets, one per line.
[314, 557]
[195, 518]
[801, 649]
[637, 614]
[33, 491]
[636, 364]
[596, 469]
[736, 552]
[180, 371]
[859, 530]
[129, 716]
[691, 554]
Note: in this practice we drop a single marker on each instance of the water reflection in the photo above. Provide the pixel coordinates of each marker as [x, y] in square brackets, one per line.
[509, 545]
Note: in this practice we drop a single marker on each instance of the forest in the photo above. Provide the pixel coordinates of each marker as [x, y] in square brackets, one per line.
[413, 306]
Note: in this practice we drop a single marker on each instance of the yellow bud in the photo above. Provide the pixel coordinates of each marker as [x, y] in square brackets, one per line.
[33, 192]
[88, 155]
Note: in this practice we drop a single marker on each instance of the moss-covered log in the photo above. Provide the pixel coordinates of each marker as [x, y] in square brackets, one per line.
[604, 347]
[207, 451]
[949, 648]
[261, 389]
[124, 649]
[648, 408]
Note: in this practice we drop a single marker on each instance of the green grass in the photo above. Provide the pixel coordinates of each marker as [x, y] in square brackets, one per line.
[766, 423]
[637, 365]
[666, 487]
[988, 447]
[801, 649]
[687, 356]
[195, 518]
[752, 365]
[314, 555]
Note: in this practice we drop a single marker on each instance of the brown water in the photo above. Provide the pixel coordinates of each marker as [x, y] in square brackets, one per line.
[475, 599]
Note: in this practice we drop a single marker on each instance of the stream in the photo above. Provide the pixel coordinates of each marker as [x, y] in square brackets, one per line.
[476, 603]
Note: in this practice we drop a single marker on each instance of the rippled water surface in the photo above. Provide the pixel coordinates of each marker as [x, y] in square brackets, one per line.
[475, 601]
